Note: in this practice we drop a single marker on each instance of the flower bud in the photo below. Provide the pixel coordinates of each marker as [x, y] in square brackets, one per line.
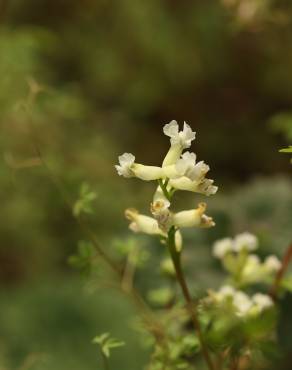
[142, 223]
[192, 218]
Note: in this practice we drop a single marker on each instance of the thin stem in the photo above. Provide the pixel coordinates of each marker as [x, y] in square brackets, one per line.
[163, 187]
[175, 256]
[104, 361]
[279, 277]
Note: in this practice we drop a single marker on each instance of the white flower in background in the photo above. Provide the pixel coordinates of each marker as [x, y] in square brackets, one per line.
[179, 140]
[126, 162]
[252, 265]
[222, 247]
[193, 218]
[242, 303]
[272, 264]
[142, 223]
[128, 168]
[245, 241]
[262, 301]
[225, 291]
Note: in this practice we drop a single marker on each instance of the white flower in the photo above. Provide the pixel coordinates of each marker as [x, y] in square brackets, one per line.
[245, 241]
[183, 138]
[190, 176]
[187, 166]
[242, 303]
[128, 168]
[147, 173]
[222, 247]
[126, 162]
[226, 291]
[179, 140]
[272, 264]
[184, 183]
[262, 301]
[193, 218]
[206, 187]
[142, 223]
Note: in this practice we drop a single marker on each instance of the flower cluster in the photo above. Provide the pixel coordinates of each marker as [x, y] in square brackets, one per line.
[179, 171]
[242, 304]
[245, 267]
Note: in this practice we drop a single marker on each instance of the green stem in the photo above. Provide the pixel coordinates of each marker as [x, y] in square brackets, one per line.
[163, 187]
[104, 361]
[175, 256]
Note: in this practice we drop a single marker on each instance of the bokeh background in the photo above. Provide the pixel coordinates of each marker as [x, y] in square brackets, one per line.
[83, 81]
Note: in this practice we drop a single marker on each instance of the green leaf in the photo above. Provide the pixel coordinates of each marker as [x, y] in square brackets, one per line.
[84, 203]
[286, 150]
[160, 296]
[106, 343]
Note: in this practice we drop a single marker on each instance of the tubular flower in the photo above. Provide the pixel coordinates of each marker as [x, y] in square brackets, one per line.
[192, 176]
[179, 141]
[143, 224]
[178, 171]
[193, 218]
[128, 168]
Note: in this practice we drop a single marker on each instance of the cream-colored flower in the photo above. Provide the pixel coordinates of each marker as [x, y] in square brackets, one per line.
[143, 224]
[245, 241]
[184, 138]
[222, 247]
[179, 140]
[253, 270]
[193, 218]
[187, 165]
[262, 301]
[272, 264]
[128, 168]
[126, 162]
[242, 303]
[192, 176]
[224, 292]
[205, 187]
[178, 241]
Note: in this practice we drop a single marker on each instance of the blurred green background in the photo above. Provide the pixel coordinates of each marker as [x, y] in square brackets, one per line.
[83, 81]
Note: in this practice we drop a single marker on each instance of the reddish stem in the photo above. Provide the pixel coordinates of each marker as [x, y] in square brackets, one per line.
[285, 264]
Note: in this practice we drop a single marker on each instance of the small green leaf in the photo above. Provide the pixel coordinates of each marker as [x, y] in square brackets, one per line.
[106, 343]
[286, 150]
[84, 203]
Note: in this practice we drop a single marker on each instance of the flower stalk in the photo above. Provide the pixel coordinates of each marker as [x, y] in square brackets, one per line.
[191, 306]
